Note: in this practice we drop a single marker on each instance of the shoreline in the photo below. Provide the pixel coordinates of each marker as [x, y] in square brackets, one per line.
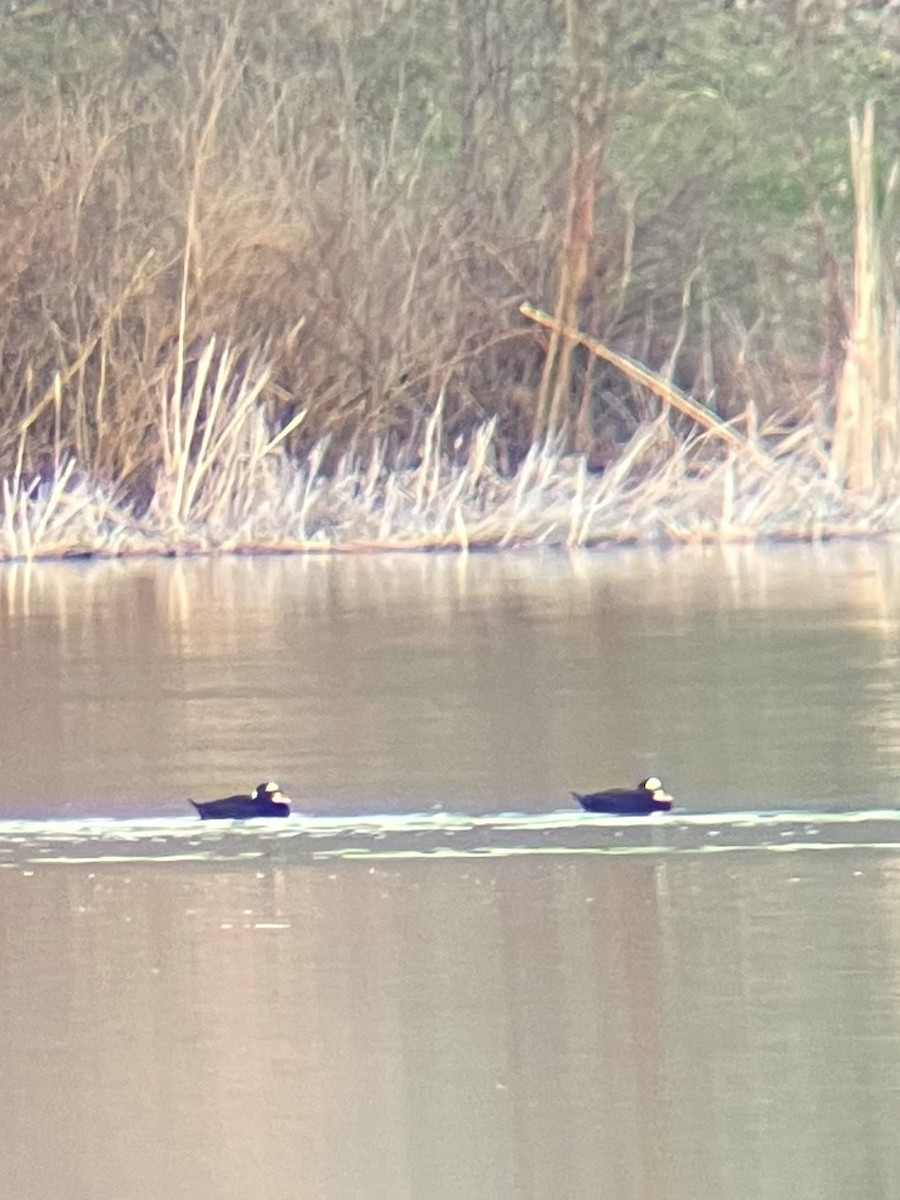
[656, 493]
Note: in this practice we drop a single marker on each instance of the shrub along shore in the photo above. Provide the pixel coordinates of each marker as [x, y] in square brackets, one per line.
[446, 275]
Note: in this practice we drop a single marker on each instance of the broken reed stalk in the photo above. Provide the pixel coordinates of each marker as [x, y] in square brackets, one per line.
[667, 392]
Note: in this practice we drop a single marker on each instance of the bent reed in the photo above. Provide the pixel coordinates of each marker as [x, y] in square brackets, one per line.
[254, 496]
[299, 281]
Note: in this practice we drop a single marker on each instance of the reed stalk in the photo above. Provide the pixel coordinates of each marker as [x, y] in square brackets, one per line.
[854, 449]
[866, 416]
[652, 381]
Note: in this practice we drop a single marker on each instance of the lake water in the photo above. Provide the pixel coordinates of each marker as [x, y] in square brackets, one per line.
[440, 980]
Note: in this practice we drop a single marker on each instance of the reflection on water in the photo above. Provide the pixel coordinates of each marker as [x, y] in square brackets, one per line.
[24, 844]
[746, 678]
[683, 1029]
[407, 992]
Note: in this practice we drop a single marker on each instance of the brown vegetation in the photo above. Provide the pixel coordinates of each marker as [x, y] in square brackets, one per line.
[232, 238]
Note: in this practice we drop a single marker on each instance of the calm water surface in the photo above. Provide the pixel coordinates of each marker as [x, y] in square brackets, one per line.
[403, 994]
[750, 679]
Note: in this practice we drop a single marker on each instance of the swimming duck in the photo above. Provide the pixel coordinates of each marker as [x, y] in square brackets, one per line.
[648, 797]
[266, 800]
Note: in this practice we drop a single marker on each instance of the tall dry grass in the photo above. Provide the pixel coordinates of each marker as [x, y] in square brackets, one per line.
[865, 452]
[318, 187]
[274, 293]
[255, 497]
[136, 232]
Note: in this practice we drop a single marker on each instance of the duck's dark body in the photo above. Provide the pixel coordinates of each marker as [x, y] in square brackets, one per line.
[648, 797]
[267, 800]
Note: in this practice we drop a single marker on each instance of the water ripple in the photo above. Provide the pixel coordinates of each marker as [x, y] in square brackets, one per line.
[438, 835]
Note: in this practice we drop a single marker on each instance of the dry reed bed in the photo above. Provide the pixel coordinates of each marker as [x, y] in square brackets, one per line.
[228, 477]
[373, 209]
[172, 284]
[251, 496]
